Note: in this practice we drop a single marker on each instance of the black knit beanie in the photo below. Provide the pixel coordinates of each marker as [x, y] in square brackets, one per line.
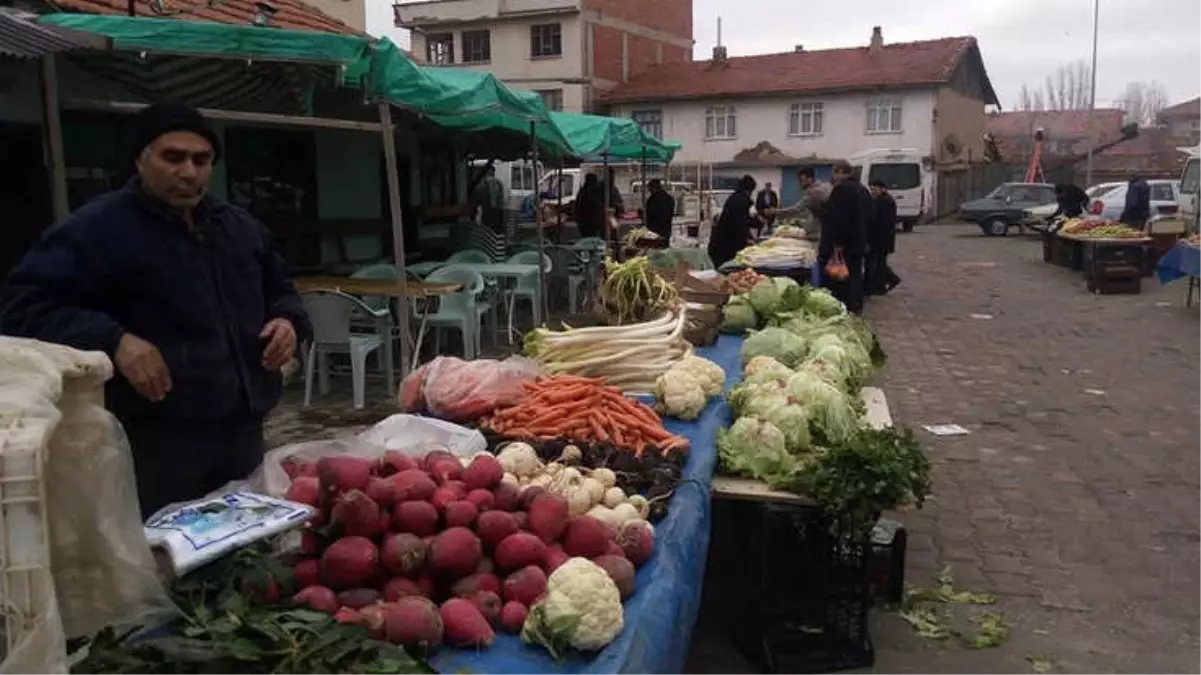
[163, 118]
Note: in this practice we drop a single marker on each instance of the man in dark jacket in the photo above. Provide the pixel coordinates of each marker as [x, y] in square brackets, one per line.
[878, 277]
[589, 208]
[1138, 203]
[660, 208]
[1071, 200]
[186, 295]
[733, 230]
[766, 203]
[847, 212]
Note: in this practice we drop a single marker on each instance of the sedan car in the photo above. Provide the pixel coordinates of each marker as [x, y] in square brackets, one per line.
[1109, 205]
[1006, 206]
[1039, 215]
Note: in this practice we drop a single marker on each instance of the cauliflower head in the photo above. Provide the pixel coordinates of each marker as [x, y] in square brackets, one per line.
[710, 375]
[581, 610]
[680, 394]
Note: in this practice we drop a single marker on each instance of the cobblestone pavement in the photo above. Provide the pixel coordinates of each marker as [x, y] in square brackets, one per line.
[1075, 497]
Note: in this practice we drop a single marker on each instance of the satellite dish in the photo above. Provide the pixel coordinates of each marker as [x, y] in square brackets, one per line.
[952, 145]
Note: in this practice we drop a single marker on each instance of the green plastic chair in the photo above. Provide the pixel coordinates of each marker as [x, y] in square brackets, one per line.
[527, 286]
[590, 253]
[696, 258]
[468, 256]
[462, 309]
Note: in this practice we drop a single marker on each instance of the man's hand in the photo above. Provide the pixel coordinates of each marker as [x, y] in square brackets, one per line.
[142, 364]
[281, 343]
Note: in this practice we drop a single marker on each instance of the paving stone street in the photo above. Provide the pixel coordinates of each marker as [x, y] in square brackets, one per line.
[1074, 498]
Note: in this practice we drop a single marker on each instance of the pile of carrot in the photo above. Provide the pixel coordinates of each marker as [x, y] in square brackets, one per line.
[586, 409]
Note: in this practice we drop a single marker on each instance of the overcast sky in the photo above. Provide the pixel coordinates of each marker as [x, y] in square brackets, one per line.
[1022, 41]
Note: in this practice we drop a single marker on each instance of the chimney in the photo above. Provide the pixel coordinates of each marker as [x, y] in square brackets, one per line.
[799, 48]
[719, 55]
[877, 39]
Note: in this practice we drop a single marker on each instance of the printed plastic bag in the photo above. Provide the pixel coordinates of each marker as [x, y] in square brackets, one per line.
[454, 389]
[84, 560]
[836, 267]
[409, 434]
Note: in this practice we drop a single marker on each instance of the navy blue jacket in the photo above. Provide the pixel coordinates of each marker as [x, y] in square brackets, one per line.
[1138, 202]
[125, 262]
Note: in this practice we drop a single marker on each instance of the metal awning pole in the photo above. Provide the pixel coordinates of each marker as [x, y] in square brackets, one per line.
[542, 304]
[607, 202]
[642, 177]
[398, 236]
[52, 120]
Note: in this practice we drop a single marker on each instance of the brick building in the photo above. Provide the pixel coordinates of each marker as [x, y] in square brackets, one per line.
[567, 50]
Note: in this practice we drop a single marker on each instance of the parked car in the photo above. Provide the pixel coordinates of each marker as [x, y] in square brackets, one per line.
[1109, 205]
[1039, 215]
[1006, 206]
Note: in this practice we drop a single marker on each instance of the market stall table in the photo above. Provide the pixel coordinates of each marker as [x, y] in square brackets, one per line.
[1182, 260]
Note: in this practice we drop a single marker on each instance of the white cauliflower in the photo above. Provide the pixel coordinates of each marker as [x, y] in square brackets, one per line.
[680, 394]
[519, 459]
[581, 610]
[708, 373]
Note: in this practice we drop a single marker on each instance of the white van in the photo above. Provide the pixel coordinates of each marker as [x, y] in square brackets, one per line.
[1188, 199]
[517, 177]
[902, 173]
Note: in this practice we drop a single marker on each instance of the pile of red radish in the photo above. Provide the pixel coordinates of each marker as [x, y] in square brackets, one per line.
[432, 550]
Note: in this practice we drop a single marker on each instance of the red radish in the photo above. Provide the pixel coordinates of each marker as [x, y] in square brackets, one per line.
[474, 583]
[636, 540]
[357, 515]
[347, 615]
[464, 625]
[403, 554]
[458, 487]
[308, 469]
[526, 585]
[358, 598]
[507, 497]
[443, 496]
[512, 617]
[413, 621]
[434, 456]
[304, 490]
[311, 543]
[290, 467]
[307, 573]
[372, 618]
[446, 469]
[260, 588]
[319, 598]
[489, 605]
[620, 570]
[460, 513]
[382, 491]
[419, 518]
[455, 553]
[519, 550]
[482, 499]
[484, 472]
[548, 517]
[523, 520]
[528, 496]
[554, 557]
[485, 566]
[585, 537]
[385, 520]
[395, 461]
[400, 587]
[429, 587]
[614, 549]
[349, 562]
[344, 471]
[494, 526]
[413, 486]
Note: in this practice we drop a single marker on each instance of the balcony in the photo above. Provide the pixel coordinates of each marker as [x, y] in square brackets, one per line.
[432, 13]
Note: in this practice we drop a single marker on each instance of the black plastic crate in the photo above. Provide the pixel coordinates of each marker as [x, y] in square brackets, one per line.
[886, 565]
[807, 608]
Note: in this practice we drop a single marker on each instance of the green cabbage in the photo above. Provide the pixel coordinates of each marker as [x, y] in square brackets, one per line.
[834, 416]
[844, 354]
[757, 398]
[776, 294]
[738, 316]
[764, 369]
[822, 303]
[793, 420]
[785, 347]
[758, 449]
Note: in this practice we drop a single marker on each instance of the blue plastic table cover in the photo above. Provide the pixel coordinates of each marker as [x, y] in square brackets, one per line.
[661, 613]
[1182, 260]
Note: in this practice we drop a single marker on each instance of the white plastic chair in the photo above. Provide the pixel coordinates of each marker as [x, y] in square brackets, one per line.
[590, 252]
[526, 287]
[462, 309]
[331, 312]
[379, 316]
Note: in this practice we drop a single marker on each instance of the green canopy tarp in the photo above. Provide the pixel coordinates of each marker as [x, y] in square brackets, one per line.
[619, 137]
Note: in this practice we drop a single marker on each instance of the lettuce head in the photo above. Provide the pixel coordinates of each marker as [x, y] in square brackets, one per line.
[834, 416]
[786, 347]
[738, 316]
[758, 449]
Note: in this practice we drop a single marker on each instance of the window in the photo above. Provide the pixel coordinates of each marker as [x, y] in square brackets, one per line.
[477, 46]
[1162, 192]
[552, 98]
[896, 176]
[440, 49]
[721, 122]
[546, 40]
[805, 119]
[521, 176]
[651, 121]
[884, 116]
[1192, 175]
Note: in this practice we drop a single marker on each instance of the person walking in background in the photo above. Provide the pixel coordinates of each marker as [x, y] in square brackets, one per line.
[733, 231]
[489, 200]
[878, 276]
[1138, 202]
[1071, 200]
[847, 213]
[589, 208]
[766, 204]
[188, 297]
[660, 208]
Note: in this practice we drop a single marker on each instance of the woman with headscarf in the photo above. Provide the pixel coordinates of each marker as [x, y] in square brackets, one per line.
[589, 208]
[733, 230]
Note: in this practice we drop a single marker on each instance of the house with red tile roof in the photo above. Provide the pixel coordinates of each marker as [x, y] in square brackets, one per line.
[1065, 132]
[329, 16]
[810, 104]
[1183, 120]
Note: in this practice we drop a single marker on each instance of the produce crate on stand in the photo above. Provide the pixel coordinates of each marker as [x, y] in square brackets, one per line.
[1114, 267]
[1069, 253]
[1050, 247]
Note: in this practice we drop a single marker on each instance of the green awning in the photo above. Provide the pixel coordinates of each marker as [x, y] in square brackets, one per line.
[616, 137]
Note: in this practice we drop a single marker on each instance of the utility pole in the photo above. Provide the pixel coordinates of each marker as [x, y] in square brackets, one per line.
[1092, 100]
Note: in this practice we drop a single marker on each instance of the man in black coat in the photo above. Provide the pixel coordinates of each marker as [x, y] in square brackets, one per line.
[589, 208]
[846, 215]
[766, 203]
[1071, 200]
[881, 242]
[1138, 202]
[187, 296]
[733, 230]
[660, 208]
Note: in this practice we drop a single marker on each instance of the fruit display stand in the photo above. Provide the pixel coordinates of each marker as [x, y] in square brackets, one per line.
[1110, 265]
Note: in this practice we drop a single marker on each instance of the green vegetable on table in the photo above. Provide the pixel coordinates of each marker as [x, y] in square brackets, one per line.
[634, 292]
[738, 316]
[784, 346]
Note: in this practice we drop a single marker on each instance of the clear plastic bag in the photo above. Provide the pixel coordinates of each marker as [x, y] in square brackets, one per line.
[85, 527]
[409, 434]
[455, 389]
